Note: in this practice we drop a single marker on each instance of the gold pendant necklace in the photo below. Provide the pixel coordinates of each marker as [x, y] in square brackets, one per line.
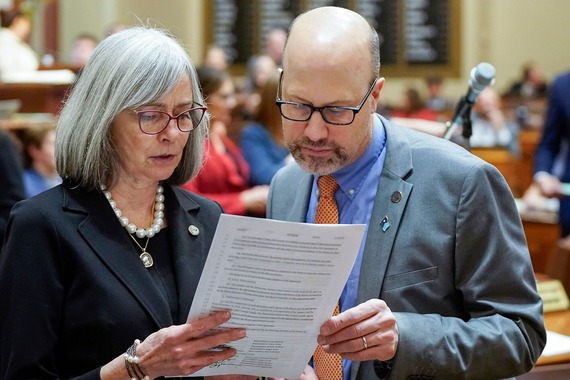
[157, 212]
[145, 256]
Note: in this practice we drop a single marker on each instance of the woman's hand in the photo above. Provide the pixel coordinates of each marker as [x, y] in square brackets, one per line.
[185, 349]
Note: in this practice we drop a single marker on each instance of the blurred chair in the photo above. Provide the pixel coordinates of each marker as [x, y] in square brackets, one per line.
[558, 264]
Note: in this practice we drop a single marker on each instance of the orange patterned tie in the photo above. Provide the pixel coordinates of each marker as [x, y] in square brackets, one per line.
[327, 209]
[327, 366]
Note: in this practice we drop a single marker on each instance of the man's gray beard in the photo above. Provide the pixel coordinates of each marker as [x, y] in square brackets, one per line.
[318, 165]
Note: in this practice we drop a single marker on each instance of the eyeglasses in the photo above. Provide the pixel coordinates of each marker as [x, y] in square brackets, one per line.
[153, 122]
[336, 115]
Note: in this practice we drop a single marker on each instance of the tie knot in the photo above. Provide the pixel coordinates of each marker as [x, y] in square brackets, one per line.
[327, 185]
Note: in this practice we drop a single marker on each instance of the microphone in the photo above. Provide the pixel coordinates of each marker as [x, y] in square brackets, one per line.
[480, 77]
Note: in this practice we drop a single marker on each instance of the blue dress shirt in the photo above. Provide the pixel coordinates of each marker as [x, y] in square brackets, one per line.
[358, 183]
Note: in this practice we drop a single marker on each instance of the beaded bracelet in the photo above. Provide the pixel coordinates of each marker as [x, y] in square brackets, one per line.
[132, 363]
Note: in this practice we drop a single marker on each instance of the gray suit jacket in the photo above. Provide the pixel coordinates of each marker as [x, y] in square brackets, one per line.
[453, 266]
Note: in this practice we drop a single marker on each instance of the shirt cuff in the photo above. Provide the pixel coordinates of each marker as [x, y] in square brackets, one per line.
[540, 175]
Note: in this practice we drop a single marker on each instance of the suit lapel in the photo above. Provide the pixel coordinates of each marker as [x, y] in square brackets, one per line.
[385, 219]
[189, 251]
[103, 233]
[292, 205]
[301, 202]
[387, 204]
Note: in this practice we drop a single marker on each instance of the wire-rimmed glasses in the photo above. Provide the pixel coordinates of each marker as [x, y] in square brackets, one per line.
[336, 115]
[153, 122]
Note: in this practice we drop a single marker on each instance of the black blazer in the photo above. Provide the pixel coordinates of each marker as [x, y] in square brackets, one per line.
[73, 292]
[11, 180]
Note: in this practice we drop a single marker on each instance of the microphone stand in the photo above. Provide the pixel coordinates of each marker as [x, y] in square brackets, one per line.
[480, 77]
[467, 130]
[462, 118]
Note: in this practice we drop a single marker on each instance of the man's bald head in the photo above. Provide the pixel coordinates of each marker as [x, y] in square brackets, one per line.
[330, 36]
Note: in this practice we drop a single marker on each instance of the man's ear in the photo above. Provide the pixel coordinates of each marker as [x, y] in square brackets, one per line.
[375, 95]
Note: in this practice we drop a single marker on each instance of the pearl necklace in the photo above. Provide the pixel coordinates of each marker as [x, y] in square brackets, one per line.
[158, 212]
[131, 227]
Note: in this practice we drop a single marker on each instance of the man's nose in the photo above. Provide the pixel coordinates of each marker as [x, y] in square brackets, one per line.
[316, 128]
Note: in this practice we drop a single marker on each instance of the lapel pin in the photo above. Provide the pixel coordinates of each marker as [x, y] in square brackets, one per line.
[385, 223]
[194, 231]
[396, 196]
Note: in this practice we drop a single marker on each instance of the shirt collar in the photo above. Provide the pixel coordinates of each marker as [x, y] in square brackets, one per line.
[351, 177]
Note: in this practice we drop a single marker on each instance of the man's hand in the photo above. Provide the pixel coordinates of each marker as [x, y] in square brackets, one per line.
[549, 185]
[365, 332]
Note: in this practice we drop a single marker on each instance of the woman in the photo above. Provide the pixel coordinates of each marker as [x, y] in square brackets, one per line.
[86, 271]
[262, 140]
[225, 175]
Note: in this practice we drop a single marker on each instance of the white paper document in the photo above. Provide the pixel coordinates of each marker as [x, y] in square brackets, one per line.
[556, 344]
[281, 281]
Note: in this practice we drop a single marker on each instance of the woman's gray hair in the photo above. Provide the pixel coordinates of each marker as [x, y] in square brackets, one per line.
[129, 69]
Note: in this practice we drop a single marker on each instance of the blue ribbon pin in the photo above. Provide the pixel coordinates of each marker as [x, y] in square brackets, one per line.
[385, 224]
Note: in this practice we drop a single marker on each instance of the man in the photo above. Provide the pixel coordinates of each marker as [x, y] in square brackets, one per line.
[443, 287]
[555, 136]
[274, 44]
[490, 126]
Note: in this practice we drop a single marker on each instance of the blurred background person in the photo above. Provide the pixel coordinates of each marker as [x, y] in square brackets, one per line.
[412, 106]
[82, 48]
[11, 179]
[275, 44]
[38, 145]
[531, 83]
[490, 127]
[262, 139]
[416, 121]
[115, 28]
[553, 150]
[215, 57]
[270, 57]
[15, 54]
[263, 68]
[436, 100]
[225, 175]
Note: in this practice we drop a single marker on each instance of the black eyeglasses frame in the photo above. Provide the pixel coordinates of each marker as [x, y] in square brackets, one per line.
[354, 110]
